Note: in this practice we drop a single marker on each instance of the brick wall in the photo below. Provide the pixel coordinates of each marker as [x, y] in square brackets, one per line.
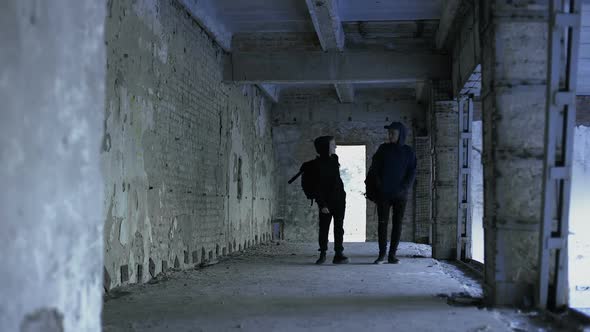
[423, 191]
[188, 160]
[303, 115]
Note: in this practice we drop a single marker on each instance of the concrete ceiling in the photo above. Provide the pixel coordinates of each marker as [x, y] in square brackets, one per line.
[263, 15]
[359, 86]
[385, 24]
[390, 10]
[391, 35]
[381, 24]
[293, 15]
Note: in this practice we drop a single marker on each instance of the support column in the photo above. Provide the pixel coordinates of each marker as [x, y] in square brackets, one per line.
[52, 88]
[423, 191]
[514, 43]
[444, 122]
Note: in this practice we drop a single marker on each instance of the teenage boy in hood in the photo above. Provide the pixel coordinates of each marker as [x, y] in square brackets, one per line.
[330, 197]
[395, 168]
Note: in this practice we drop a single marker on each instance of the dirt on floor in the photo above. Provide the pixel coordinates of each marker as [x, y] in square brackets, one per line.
[277, 287]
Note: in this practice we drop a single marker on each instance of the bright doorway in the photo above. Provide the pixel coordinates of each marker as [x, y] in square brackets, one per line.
[352, 171]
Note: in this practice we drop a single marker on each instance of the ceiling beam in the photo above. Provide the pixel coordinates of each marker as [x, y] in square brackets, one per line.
[422, 93]
[324, 15]
[345, 92]
[327, 24]
[332, 68]
[451, 12]
[271, 91]
[390, 10]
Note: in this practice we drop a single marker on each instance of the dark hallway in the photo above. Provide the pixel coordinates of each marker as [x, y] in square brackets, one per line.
[146, 148]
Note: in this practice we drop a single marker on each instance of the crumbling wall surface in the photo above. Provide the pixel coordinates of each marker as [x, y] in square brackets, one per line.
[52, 60]
[513, 97]
[444, 122]
[304, 115]
[188, 159]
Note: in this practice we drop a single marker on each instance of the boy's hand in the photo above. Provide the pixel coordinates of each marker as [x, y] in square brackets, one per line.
[325, 211]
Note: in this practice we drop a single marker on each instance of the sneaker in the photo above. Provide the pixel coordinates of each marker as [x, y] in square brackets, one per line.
[392, 260]
[322, 258]
[340, 259]
[380, 259]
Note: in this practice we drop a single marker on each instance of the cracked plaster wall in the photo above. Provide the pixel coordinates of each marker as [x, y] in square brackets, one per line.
[188, 160]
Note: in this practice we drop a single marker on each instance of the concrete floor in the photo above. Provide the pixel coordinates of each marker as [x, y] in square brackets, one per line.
[278, 288]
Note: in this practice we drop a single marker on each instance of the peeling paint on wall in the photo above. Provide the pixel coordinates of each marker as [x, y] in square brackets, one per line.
[172, 129]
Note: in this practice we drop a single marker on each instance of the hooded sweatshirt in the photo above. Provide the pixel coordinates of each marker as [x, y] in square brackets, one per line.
[329, 189]
[395, 165]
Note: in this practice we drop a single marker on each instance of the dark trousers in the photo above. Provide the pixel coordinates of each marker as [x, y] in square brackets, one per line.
[398, 207]
[325, 219]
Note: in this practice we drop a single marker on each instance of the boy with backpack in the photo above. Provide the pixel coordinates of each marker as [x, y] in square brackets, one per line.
[321, 182]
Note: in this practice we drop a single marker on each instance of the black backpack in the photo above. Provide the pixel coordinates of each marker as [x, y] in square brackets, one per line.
[309, 178]
[371, 186]
[372, 189]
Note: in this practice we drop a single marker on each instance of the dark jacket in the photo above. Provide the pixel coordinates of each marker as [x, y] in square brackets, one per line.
[329, 189]
[395, 167]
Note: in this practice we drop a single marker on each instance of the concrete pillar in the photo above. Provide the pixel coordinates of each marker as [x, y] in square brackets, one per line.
[514, 48]
[423, 191]
[444, 123]
[52, 68]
